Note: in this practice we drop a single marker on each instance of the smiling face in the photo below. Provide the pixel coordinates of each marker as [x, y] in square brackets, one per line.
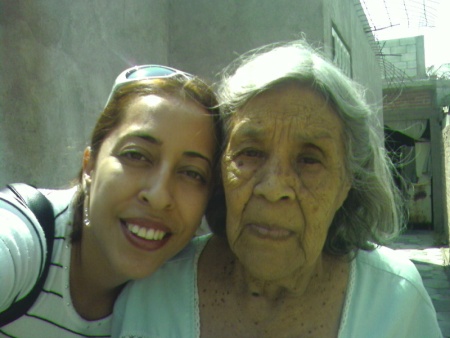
[284, 180]
[149, 185]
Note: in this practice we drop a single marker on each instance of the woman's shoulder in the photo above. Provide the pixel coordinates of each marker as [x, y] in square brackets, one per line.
[386, 283]
[59, 198]
[388, 278]
[385, 261]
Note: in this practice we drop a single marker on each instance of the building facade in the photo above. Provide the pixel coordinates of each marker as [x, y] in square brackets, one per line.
[417, 132]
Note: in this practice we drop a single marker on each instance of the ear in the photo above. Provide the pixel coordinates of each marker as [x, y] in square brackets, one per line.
[88, 167]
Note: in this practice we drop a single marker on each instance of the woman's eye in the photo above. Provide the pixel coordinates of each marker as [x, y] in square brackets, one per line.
[246, 158]
[195, 175]
[308, 160]
[252, 153]
[133, 155]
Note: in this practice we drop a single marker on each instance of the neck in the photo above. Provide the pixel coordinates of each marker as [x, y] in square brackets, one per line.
[92, 289]
[303, 282]
[297, 284]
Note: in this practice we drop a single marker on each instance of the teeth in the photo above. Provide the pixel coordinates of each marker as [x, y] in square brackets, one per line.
[134, 229]
[149, 234]
[142, 232]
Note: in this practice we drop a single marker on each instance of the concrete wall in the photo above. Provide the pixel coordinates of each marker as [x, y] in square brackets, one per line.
[228, 28]
[207, 34]
[407, 54]
[60, 58]
[365, 69]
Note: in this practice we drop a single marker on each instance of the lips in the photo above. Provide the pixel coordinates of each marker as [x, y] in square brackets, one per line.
[269, 231]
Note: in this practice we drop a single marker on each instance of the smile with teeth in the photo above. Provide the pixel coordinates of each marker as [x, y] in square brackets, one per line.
[149, 234]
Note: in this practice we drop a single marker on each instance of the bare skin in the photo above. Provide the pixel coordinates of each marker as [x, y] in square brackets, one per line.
[93, 296]
[232, 305]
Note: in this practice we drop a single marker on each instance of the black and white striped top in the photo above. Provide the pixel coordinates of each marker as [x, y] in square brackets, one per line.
[21, 256]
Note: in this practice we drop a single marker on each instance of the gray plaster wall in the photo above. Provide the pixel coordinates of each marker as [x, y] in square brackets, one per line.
[222, 30]
[228, 28]
[59, 59]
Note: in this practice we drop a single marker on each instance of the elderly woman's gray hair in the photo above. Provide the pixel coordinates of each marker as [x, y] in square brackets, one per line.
[373, 212]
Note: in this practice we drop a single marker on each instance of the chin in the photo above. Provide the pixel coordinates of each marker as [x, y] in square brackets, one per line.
[138, 271]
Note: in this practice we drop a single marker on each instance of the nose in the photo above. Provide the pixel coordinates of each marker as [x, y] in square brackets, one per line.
[156, 191]
[277, 181]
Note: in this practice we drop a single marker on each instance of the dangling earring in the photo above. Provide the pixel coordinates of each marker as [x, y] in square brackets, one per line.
[86, 187]
[86, 219]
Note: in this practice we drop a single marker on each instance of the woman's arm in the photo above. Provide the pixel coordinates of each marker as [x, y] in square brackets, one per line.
[22, 251]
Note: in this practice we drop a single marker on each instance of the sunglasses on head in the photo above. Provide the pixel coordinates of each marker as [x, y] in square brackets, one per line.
[143, 72]
[149, 72]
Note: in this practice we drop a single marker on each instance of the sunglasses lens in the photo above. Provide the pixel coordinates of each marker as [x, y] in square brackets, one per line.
[149, 72]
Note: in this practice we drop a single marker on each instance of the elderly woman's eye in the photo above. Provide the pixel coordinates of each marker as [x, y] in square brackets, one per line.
[252, 153]
[308, 160]
[248, 157]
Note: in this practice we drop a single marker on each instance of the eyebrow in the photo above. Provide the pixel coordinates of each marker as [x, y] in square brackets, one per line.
[247, 130]
[194, 154]
[145, 137]
[158, 142]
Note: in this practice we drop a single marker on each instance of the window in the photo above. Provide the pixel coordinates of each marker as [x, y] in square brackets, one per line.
[341, 54]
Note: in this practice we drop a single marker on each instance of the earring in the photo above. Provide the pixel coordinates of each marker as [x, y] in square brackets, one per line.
[86, 184]
[86, 219]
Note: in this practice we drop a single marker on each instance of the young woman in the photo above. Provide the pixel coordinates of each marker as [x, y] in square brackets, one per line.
[145, 181]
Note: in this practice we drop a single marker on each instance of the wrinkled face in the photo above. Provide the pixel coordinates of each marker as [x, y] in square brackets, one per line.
[284, 180]
[149, 185]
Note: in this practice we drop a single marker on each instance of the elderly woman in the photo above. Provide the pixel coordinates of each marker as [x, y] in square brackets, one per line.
[297, 251]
